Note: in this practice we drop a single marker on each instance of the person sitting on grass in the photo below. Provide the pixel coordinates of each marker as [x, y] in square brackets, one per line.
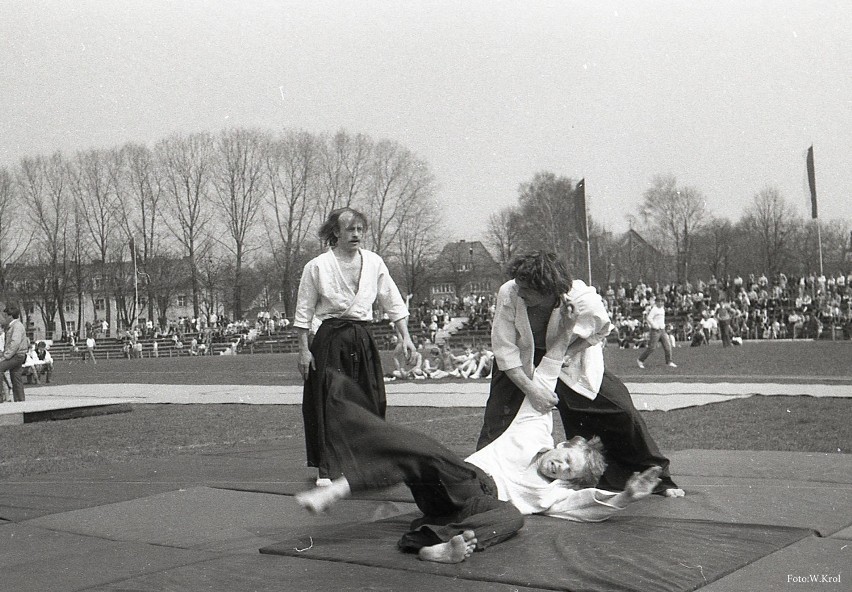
[464, 363]
[46, 366]
[29, 370]
[469, 505]
[485, 361]
[434, 366]
[407, 368]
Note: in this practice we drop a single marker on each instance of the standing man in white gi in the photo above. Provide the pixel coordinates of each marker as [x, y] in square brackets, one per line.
[335, 305]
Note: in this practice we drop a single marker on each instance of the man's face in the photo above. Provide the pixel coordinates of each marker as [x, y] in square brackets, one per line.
[350, 230]
[562, 463]
[531, 296]
[5, 318]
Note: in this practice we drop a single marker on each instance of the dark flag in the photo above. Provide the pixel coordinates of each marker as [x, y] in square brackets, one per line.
[580, 211]
[812, 181]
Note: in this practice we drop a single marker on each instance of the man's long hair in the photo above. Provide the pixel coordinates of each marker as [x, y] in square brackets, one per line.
[542, 271]
[329, 229]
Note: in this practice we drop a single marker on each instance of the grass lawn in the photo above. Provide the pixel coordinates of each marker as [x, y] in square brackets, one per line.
[801, 361]
[755, 423]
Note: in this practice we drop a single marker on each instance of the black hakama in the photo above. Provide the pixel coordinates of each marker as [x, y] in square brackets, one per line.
[348, 347]
[453, 495]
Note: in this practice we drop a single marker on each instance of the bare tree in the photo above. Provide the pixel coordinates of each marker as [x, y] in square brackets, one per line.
[78, 261]
[718, 241]
[604, 250]
[675, 215]
[15, 236]
[92, 179]
[185, 163]
[417, 246]
[547, 217]
[139, 191]
[805, 257]
[291, 170]
[344, 160]
[398, 180]
[45, 191]
[835, 238]
[166, 275]
[240, 183]
[773, 222]
[504, 232]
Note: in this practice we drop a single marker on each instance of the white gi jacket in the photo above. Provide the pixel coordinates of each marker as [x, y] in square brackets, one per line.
[512, 338]
[325, 294]
[509, 461]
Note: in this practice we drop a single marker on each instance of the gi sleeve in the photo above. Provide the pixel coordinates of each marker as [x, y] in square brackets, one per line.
[306, 301]
[503, 333]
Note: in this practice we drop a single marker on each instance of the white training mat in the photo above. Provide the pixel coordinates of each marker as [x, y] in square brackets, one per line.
[646, 396]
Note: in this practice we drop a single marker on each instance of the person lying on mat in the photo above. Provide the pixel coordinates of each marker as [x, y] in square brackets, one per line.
[470, 504]
[530, 314]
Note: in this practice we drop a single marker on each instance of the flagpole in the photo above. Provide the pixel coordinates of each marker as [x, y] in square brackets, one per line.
[135, 285]
[581, 221]
[588, 250]
[819, 242]
[811, 171]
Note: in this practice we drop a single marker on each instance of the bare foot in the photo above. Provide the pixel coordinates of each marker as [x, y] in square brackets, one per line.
[320, 499]
[456, 550]
[674, 492]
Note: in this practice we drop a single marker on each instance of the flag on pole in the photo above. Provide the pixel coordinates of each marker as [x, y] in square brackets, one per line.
[582, 222]
[812, 181]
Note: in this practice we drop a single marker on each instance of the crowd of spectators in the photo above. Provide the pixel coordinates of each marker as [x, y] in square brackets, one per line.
[733, 309]
[438, 361]
[436, 315]
[38, 365]
[730, 309]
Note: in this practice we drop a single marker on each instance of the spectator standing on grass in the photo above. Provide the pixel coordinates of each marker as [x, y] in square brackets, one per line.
[725, 316]
[657, 325]
[5, 384]
[90, 349]
[795, 322]
[15, 350]
[335, 306]
[707, 324]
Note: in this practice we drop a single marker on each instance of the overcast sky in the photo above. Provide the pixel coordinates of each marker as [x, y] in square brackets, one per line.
[725, 95]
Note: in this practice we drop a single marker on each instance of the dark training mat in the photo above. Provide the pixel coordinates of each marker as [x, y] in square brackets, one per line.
[622, 554]
[268, 573]
[763, 464]
[824, 507]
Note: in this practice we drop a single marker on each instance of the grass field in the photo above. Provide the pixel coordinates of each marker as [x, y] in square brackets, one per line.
[149, 431]
[801, 361]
